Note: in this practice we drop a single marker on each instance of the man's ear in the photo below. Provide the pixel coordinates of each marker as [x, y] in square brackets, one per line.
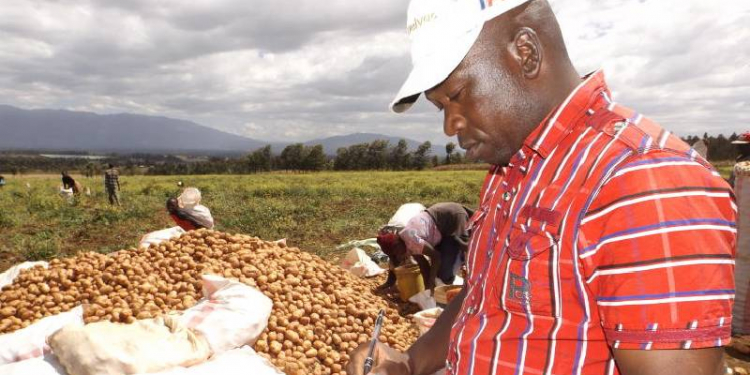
[527, 51]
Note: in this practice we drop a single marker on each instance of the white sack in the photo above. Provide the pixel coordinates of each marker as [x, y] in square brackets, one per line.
[159, 236]
[240, 361]
[201, 214]
[189, 198]
[425, 319]
[424, 299]
[106, 348]
[7, 277]
[47, 365]
[31, 342]
[230, 315]
[358, 263]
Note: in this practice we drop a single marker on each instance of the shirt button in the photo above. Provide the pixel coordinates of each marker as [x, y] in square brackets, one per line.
[470, 310]
[506, 196]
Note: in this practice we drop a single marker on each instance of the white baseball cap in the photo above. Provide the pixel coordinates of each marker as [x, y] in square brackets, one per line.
[442, 33]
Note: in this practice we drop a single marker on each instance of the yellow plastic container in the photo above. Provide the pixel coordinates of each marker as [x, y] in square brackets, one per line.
[408, 281]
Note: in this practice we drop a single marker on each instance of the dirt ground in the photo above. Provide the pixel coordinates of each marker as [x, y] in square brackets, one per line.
[737, 355]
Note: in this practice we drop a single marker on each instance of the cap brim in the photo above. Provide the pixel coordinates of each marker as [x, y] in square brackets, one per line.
[434, 70]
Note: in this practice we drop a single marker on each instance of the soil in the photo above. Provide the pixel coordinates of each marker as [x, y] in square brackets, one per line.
[737, 355]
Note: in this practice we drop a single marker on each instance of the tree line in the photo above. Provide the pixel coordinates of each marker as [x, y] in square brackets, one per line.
[376, 155]
[720, 147]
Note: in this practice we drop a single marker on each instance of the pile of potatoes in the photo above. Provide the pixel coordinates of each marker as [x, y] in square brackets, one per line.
[320, 311]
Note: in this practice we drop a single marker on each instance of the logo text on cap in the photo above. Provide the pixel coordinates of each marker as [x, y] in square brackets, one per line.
[419, 22]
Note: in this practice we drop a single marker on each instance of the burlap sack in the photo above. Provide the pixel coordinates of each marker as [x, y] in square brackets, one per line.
[106, 348]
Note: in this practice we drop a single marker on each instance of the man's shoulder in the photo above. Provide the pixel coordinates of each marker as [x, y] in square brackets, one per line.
[641, 136]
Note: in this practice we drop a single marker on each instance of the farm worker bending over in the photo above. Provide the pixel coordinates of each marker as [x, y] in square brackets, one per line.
[187, 211]
[602, 244]
[69, 183]
[436, 238]
[743, 149]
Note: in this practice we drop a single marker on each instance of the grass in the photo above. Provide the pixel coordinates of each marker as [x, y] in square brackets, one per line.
[315, 211]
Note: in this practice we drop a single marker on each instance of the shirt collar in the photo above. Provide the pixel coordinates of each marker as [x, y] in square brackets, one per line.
[559, 123]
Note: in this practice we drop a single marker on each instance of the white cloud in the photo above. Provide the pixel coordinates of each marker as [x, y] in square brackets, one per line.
[266, 70]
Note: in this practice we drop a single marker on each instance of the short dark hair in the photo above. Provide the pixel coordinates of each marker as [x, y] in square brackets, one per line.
[110, 165]
[172, 205]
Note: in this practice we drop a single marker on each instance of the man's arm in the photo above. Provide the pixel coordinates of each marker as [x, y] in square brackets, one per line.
[666, 362]
[426, 356]
[429, 353]
[435, 261]
[389, 281]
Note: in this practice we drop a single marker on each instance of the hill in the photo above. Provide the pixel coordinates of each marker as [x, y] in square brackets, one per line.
[63, 130]
[45, 129]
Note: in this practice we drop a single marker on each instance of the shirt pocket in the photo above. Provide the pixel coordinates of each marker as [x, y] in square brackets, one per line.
[528, 287]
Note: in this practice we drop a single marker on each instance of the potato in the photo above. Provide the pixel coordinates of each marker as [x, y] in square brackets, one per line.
[320, 312]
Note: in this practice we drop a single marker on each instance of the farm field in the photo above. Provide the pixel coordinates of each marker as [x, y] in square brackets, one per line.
[314, 211]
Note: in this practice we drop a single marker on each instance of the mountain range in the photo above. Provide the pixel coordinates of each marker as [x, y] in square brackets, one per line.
[63, 130]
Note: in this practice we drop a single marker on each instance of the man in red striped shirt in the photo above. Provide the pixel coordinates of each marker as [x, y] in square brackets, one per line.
[603, 244]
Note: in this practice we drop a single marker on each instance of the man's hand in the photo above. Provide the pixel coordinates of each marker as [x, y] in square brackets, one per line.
[386, 361]
[386, 289]
[426, 356]
[665, 362]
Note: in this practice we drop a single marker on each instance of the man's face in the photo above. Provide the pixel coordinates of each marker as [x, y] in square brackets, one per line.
[484, 106]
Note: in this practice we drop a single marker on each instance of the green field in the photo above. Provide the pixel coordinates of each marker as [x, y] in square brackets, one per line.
[314, 211]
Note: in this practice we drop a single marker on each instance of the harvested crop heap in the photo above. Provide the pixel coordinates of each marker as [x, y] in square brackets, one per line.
[320, 311]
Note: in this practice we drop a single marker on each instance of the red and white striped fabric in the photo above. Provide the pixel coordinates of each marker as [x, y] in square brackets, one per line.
[604, 231]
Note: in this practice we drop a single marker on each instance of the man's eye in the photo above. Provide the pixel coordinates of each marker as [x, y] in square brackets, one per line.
[456, 95]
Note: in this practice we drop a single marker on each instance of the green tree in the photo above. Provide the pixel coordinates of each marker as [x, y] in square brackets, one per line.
[377, 155]
[449, 148]
[421, 156]
[342, 160]
[292, 156]
[315, 158]
[260, 160]
[398, 158]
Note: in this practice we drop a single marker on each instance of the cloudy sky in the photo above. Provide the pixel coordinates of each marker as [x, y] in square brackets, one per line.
[275, 70]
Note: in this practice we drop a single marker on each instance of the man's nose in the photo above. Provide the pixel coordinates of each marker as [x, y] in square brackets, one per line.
[453, 123]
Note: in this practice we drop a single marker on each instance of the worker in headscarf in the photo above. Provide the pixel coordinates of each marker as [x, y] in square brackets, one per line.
[435, 239]
[187, 211]
[742, 143]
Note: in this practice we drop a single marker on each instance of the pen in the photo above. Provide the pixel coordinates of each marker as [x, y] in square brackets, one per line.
[375, 334]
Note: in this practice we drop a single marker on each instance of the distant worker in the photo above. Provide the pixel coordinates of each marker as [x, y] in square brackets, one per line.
[2, 181]
[743, 149]
[112, 184]
[70, 184]
[436, 238]
[187, 211]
